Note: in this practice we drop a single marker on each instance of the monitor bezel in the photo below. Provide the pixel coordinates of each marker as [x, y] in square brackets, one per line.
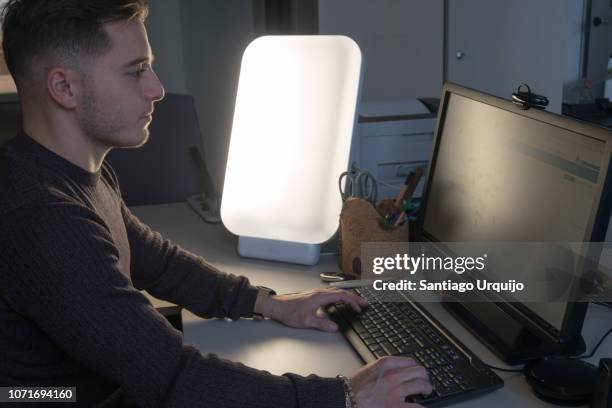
[568, 336]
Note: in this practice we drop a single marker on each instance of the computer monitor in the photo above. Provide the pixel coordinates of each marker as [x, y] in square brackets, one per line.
[499, 173]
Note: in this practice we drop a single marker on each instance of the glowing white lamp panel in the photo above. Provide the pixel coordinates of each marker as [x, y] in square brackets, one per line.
[291, 135]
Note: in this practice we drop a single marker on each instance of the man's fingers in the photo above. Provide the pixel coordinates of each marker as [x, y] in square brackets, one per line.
[401, 375]
[362, 301]
[327, 297]
[396, 398]
[389, 363]
[322, 324]
[414, 387]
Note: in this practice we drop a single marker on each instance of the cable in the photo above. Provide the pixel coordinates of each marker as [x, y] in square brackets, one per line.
[507, 370]
[592, 353]
[526, 99]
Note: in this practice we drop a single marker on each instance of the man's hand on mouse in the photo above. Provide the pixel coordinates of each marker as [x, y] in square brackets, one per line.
[299, 310]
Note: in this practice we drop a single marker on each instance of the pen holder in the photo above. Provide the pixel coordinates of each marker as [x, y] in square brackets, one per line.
[361, 222]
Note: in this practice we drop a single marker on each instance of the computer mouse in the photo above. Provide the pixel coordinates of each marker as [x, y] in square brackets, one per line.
[562, 380]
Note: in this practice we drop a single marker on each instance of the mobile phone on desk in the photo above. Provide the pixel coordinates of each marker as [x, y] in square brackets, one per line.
[334, 277]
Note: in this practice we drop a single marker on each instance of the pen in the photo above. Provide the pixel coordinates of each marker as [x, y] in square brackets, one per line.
[414, 182]
[400, 196]
[410, 185]
[399, 220]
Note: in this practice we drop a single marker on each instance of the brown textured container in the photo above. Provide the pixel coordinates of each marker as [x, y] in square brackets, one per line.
[360, 222]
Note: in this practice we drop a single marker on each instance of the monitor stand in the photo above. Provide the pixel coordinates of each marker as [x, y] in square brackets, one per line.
[513, 341]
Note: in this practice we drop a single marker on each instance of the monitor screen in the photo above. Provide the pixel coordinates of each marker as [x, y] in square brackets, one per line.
[499, 175]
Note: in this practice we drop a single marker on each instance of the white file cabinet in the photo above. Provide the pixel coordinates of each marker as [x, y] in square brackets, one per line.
[390, 148]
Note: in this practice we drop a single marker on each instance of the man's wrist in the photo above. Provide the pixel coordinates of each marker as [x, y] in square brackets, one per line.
[349, 394]
[262, 308]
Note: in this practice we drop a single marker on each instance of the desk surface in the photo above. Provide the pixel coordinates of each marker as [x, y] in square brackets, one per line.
[270, 346]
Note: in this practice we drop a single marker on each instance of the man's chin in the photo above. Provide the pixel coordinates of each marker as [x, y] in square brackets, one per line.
[134, 142]
[144, 138]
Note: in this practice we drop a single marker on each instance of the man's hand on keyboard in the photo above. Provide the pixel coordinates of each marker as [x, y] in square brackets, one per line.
[387, 382]
[300, 309]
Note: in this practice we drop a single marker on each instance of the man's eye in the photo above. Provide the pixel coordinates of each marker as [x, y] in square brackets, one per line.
[138, 73]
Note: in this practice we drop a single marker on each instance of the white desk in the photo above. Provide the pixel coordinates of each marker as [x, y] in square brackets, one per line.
[270, 346]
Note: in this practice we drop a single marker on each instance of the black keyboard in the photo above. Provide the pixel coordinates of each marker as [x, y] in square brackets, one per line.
[394, 326]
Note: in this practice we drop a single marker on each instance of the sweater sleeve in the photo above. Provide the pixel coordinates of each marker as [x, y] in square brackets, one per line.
[65, 276]
[171, 273]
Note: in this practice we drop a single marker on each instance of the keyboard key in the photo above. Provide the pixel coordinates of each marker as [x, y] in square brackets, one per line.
[369, 341]
[365, 336]
[436, 339]
[380, 353]
[358, 327]
[451, 389]
[389, 348]
[403, 349]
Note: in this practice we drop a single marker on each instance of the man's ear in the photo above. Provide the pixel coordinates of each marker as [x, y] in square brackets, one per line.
[62, 87]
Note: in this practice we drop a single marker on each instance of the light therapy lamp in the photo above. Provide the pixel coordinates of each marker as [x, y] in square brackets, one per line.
[291, 136]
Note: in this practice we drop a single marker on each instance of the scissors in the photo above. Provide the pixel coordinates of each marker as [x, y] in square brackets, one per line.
[359, 184]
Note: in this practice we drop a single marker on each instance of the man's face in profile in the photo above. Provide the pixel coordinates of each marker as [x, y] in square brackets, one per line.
[120, 88]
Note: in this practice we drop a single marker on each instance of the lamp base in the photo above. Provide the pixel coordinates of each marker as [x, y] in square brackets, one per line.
[283, 251]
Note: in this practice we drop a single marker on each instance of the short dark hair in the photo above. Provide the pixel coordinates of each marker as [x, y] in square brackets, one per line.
[60, 29]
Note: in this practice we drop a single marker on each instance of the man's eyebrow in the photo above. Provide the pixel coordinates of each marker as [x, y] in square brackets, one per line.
[148, 60]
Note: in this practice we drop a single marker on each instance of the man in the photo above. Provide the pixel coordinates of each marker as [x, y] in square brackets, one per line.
[74, 258]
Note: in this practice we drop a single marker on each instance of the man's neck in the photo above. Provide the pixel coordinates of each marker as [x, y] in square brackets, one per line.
[68, 142]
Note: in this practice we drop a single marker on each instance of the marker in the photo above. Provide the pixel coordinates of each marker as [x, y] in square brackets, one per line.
[410, 185]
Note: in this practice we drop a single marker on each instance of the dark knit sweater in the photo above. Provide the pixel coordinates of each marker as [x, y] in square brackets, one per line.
[72, 261]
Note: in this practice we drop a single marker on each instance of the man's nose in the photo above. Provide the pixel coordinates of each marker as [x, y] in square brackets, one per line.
[155, 90]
